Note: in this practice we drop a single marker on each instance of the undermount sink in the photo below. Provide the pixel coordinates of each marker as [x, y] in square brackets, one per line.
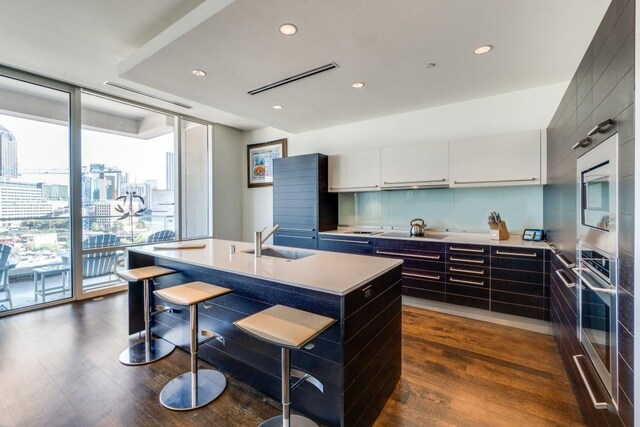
[281, 253]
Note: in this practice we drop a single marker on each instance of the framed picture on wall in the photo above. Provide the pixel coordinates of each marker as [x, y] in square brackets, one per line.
[260, 161]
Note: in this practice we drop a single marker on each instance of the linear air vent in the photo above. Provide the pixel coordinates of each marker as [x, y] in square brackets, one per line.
[139, 92]
[292, 79]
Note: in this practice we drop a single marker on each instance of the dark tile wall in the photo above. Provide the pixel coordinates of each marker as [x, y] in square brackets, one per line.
[602, 88]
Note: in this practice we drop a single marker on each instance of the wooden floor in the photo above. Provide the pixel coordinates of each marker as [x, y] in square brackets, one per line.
[59, 367]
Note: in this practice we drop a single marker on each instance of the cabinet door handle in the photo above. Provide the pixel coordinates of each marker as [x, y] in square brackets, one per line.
[435, 257]
[596, 404]
[601, 127]
[414, 182]
[422, 276]
[473, 261]
[565, 281]
[354, 188]
[295, 237]
[564, 262]
[479, 251]
[464, 270]
[524, 254]
[468, 282]
[297, 229]
[358, 242]
[582, 143]
[496, 180]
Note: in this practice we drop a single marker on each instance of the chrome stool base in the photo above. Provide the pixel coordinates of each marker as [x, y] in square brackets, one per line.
[146, 352]
[294, 421]
[177, 394]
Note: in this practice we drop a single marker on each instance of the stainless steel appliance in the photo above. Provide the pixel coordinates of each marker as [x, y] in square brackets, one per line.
[597, 262]
[417, 227]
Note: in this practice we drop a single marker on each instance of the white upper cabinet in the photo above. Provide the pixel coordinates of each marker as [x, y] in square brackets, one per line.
[352, 172]
[410, 166]
[508, 159]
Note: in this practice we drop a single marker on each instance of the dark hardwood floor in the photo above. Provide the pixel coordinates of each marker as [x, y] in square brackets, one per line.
[59, 367]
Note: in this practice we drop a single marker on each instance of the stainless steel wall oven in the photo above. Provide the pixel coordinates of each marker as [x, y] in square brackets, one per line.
[597, 260]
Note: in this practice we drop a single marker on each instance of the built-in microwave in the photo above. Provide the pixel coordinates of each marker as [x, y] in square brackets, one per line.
[597, 260]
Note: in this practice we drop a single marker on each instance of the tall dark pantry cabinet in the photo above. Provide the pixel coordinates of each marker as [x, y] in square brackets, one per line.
[602, 88]
[302, 204]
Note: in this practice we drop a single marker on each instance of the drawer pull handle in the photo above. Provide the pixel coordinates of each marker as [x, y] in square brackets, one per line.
[297, 229]
[474, 261]
[478, 251]
[436, 257]
[564, 262]
[596, 404]
[289, 236]
[421, 276]
[415, 182]
[495, 180]
[565, 281]
[499, 252]
[464, 270]
[358, 242]
[468, 282]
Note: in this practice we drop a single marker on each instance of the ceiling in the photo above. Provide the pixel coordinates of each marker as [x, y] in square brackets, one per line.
[153, 45]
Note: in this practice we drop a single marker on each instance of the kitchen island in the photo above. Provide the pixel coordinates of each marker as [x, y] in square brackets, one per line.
[358, 359]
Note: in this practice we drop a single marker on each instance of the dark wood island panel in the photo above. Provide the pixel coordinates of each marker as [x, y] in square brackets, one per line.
[358, 359]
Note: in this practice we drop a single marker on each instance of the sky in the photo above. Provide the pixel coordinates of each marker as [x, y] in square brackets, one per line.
[43, 145]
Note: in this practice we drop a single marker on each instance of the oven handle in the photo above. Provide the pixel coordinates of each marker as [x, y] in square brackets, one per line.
[565, 281]
[596, 404]
[577, 270]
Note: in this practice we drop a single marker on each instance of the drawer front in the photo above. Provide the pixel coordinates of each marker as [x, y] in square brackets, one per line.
[424, 293]
[346, 244]
[470, 286]
[480, 303]
[410, 246]
[414, 264]
[468, 260]
[469, 271]
[518, 276]
[517, 253]
[535, 289]
[459, 249]
[296, 239]
[517, 264]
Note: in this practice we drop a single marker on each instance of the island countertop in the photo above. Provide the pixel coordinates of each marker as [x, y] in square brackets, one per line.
[329, 272]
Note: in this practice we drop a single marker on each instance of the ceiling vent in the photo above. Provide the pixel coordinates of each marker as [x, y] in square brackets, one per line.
[292, 79]
[139, 92]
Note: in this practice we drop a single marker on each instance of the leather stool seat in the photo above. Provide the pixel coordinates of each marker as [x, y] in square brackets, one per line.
[191, 293]
[285, 326]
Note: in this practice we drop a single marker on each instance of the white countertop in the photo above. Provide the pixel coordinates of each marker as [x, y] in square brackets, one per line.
[444, 237]
[330, 272]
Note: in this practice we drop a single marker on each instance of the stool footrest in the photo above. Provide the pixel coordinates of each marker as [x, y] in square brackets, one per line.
[211, 336]
[302, 377]
[162, 309]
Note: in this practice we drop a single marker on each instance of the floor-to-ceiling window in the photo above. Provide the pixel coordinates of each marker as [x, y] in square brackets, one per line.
[34, 195]
[83, 176]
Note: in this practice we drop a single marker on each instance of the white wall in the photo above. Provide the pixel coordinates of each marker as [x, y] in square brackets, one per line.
[511, 112]
[227, 182]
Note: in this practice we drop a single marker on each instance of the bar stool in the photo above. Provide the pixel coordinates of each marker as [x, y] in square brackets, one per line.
[289, 328]
[197, 387]
[150, 349]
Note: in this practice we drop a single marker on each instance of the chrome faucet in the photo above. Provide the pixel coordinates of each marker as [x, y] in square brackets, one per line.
[259, 239]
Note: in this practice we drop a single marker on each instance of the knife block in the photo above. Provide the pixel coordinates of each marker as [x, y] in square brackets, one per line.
[498, 231]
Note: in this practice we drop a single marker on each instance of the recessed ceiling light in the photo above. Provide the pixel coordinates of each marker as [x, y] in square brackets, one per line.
[199, 73]
[357, 85]
[430, 65]
[288, 29]
[483, 49]
[277, 107]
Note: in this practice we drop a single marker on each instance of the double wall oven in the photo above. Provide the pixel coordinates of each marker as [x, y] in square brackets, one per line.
[597, 261]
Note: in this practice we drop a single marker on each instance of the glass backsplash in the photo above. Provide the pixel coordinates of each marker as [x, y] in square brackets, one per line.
[455, 209]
